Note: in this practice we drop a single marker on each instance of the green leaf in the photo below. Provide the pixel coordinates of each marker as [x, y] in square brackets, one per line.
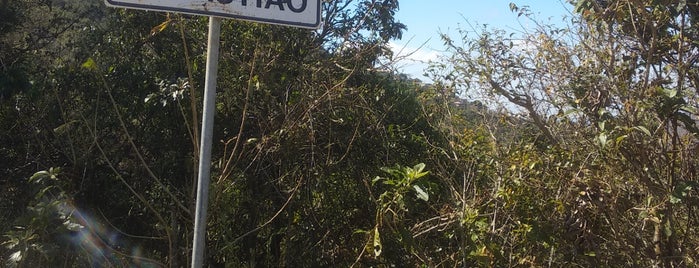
[667, 230]
[416, 172]
[64, 127]
[680, 6]
[377, 242]
[89, 64]
[513, 7]
[360, 231]
[621, 138]
[39, 176]
[419, 167]
[602, 139]
[43, 191]
[643, 214]
[54, 172]
[421, 193]
[670, 93]
[675, 200]
[15, 257]
[688, 122]
[73, 226]
[689, 109]
[571, 111]
[681, 191]
[643, 129]
[11, 243]
[160, 27]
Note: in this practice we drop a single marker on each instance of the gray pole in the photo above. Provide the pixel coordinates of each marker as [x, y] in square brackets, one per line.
[206, 140]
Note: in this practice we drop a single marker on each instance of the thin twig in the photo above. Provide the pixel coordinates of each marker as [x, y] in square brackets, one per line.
[174, 198]
[131, 189]
[288, 200]
[226, 172]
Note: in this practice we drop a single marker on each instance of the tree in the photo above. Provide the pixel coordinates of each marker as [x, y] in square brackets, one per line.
[297, 115]
[613, 100]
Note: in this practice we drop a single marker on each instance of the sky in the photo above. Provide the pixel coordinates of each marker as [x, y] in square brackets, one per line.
[427, 19]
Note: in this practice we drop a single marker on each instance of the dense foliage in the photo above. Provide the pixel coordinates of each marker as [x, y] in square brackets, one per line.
[580, 151]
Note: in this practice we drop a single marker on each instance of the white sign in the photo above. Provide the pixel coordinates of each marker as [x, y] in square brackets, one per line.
[297, 13]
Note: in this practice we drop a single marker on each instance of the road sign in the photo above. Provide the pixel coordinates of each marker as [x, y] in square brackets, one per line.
[296, 13]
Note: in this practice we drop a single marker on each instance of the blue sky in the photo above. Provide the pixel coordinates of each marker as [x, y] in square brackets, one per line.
[426, 19]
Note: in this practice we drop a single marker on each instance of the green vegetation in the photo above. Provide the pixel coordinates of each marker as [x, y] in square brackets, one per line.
[580, 153]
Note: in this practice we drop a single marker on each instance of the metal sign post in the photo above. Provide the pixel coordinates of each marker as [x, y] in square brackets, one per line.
[296, 13]
[206, 142]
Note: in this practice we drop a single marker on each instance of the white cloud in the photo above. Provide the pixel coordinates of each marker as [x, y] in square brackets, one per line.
[412, 60]
[413, 54]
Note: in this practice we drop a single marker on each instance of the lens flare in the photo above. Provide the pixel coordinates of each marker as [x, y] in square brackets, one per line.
[102, 246]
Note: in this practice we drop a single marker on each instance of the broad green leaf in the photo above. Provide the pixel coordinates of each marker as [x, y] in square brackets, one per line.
[419, 167]
[688, 122]
[89, 64]
[680, 5]
[421, 193]
[391, 171]
[416, 172]
[681, 191]
[15, 257]
[73, 226]
[667, 93]
[689, 109]
[602, 139]
[643, 214]
[674, 199]
[670, 93]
